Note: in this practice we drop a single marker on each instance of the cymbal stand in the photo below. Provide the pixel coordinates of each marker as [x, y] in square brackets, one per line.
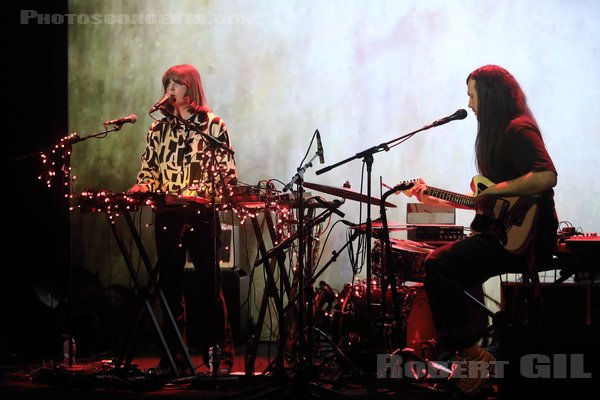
[305, 354]
[388, 274]
[277, 250]
[312, 281]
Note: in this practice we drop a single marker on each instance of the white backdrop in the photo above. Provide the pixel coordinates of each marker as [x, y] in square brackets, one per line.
[362, 72]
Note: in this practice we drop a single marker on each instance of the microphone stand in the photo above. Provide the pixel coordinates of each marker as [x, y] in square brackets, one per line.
[305, 357]
[214, 144]
[66, 145]
[367, 157]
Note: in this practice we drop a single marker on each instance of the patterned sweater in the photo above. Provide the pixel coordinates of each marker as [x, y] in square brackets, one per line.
[180, 160]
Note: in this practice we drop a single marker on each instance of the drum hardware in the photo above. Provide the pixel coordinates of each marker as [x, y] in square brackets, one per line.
[406, 263]
[394, 312]
[413, 329]
[276, 256]
[387, 276]
[303, 300]
[323, 301]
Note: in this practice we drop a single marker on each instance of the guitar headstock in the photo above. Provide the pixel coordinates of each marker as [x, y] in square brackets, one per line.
[404, 186]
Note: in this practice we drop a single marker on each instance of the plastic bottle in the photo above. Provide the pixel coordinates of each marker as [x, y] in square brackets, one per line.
[249, 365]
[68, 353]
[216, 354]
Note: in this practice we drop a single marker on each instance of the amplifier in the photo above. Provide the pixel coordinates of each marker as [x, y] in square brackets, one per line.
[435, 233]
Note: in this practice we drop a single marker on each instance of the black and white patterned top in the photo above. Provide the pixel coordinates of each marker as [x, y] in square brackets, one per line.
[179, 159]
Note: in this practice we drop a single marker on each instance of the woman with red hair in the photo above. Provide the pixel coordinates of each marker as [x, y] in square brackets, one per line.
[181, 158]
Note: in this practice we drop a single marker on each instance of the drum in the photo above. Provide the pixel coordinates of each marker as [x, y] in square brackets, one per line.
[351, 330]
[420, 328]
[407, 259]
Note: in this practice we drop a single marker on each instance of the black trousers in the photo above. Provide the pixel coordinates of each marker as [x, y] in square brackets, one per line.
[457, 266]
[178, 230]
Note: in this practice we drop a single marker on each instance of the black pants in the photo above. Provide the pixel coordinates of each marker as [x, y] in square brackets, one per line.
[457, 266]
[187, 229]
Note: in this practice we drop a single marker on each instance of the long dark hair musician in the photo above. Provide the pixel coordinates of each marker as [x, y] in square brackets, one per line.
[516, 169]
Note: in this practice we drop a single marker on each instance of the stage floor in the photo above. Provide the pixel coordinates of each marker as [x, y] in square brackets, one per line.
[93, 378]
[327, 377]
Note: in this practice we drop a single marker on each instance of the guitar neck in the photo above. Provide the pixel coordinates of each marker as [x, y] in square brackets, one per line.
[452, 197]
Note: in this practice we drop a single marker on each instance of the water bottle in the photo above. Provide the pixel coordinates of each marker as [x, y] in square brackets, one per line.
[249, 364]
[68, 351]
[216, 354]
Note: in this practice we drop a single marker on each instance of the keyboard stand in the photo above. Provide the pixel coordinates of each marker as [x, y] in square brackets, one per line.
[148, 295]
[271, 290]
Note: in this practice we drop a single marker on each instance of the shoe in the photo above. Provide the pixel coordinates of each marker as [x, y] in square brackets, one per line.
[472, 369]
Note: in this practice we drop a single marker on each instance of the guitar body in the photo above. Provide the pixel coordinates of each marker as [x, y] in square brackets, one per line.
[511, 219]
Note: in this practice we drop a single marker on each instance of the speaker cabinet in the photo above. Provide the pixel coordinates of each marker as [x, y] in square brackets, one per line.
[236, 284]
[564, 305]
[559, 349]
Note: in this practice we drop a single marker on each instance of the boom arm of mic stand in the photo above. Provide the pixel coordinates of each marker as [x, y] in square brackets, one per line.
[362, 154]
[375, 149]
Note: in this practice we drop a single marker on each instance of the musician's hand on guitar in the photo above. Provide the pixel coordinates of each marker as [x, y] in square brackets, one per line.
[485, 200]
[138, 188]
[418, 190]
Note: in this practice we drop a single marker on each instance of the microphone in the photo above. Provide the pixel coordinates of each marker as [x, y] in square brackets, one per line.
[320, 148]
[131, 119]
[459, 114]
[166, 99]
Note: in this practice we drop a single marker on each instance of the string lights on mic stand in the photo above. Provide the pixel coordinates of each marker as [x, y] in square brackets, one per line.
[56, 164]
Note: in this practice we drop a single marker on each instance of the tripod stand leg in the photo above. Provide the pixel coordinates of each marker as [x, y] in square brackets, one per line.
[270, 291]
[338, 352]
[251, 358]
[121, 363]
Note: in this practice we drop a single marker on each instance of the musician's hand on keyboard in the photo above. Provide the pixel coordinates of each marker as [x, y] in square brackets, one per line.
[138, 188]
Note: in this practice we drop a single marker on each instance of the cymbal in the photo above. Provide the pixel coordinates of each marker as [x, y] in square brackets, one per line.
[346, 194]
